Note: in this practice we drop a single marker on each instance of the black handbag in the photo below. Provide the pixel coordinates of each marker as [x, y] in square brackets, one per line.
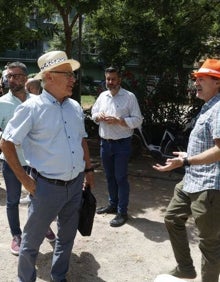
[87, 212]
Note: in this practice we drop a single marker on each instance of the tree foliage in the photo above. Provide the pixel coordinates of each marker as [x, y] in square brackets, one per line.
[164, 38]
[13, 24]
[159, 34]
[105, 28]
[69, 11]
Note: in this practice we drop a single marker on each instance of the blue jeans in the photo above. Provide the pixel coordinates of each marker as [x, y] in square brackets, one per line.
[115, 156]
[49, 201]
[13, 189]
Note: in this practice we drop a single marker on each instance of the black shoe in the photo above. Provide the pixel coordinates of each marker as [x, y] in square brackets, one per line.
[108, 209]
[189, 274]
[119, 220]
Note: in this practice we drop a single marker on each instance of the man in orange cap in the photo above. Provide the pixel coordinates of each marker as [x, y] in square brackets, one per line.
[199, 192]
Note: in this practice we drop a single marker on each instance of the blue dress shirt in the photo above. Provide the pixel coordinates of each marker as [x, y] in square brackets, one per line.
[51, 135]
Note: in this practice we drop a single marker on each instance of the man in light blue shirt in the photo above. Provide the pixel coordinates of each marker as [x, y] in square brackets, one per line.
[17, 77]
[50, 129]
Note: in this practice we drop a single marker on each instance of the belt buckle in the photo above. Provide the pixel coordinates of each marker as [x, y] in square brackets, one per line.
[60, 182]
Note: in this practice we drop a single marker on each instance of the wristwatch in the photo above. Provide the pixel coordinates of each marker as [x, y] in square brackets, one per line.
[186, 162]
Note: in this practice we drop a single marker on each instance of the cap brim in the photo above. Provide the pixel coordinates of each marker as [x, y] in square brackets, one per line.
[74, 64]
[198, 74]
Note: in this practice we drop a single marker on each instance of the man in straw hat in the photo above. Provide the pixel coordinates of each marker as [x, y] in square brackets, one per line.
[199, 192]
[16, 75]
[50, 128]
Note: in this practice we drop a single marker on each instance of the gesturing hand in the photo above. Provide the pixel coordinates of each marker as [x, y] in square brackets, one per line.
[171, 164]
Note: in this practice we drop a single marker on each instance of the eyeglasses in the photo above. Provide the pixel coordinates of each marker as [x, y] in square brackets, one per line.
[68, 74]
[15, 75]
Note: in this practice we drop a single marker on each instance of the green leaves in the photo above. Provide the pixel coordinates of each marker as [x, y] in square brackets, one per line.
[163, 33]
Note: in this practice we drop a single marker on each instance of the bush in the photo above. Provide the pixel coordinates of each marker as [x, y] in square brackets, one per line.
[91, 87]
[163, 101]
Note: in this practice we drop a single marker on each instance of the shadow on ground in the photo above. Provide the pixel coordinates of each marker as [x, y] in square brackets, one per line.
[82, 268]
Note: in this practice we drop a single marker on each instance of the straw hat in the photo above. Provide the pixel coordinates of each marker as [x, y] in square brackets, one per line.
[209, 67]
[54, 59]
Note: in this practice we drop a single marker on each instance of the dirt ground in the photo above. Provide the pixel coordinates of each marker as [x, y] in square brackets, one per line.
[138, 251]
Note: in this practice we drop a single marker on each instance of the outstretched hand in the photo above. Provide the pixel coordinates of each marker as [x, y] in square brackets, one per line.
[171, 164]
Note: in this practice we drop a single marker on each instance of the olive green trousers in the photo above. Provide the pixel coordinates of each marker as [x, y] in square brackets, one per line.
[205, 208]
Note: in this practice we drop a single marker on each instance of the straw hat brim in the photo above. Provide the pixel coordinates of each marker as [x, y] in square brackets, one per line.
[74, 64]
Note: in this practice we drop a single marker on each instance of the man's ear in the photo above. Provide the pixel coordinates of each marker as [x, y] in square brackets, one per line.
[48, 75]
[218, 82]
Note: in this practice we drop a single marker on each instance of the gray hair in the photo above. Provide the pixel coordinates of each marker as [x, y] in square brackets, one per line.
[18, 65]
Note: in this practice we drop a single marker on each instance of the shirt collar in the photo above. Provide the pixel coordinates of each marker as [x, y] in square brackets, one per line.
[51, 98]
[14, 97]
[119, 93]
[210, 103]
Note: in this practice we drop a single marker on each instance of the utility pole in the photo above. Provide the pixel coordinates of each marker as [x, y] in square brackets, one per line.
[80, 59]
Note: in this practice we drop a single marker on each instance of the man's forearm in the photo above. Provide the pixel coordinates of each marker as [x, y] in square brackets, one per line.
[86, 153]
[8, 148]
[209, 156]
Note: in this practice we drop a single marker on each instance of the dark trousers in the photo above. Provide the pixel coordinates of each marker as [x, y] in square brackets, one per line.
[13, 189]
[115, 156]
[205, 208]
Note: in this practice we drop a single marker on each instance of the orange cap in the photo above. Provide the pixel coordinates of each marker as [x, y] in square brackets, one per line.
[210, 67]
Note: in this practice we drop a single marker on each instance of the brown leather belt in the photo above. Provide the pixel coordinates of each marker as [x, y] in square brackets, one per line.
[57, 182]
